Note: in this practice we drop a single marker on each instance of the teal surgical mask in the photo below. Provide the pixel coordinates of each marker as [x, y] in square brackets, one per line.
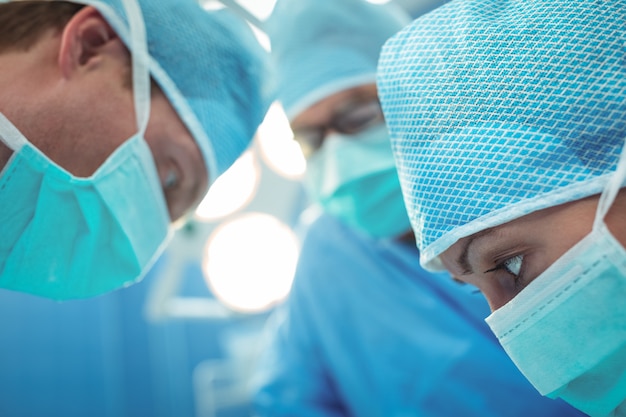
[66, 237]
[566, 331]
[354, 178]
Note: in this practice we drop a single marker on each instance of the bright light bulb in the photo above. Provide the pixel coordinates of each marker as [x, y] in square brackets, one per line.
[260, 8]
[211, 5]
[262, 38]
[249, 263]
[278, 148]
[232, 190]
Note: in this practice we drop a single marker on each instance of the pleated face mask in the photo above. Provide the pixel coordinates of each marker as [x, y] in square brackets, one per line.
[70, 237]
[354, 178]
[566, 331]
[66, 237]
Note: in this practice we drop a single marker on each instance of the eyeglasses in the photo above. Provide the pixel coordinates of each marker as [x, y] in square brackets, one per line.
[352, 118]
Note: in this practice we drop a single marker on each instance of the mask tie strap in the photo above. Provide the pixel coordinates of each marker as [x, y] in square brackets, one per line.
[610, 190]
[10, 135]
[140, 59]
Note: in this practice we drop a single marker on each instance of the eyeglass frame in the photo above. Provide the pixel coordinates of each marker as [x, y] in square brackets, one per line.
[311, 138]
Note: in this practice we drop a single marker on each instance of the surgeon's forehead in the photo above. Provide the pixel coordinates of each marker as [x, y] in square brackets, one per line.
[548, 226]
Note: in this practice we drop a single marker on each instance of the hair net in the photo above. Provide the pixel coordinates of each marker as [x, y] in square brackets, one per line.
[321, 47]
[210, 67]
[500, 108]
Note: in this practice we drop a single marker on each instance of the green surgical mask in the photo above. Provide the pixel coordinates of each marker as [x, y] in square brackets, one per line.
[354, 178]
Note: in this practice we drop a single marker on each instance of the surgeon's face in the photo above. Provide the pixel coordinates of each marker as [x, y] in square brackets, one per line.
[89, 132]
[503, 260]
[70, 95]
[347, 112]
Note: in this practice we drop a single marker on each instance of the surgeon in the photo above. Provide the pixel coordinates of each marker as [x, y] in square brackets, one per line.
[508, 121]
[366, 331]
[115, 117]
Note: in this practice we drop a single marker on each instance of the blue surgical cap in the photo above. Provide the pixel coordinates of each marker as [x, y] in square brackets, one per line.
[500, 108]
[321, 47]
[211, 68]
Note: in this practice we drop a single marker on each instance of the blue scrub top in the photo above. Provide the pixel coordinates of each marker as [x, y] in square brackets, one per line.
[367, 332]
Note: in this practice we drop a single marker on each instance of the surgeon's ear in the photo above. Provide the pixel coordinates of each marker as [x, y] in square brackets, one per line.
[86, 41]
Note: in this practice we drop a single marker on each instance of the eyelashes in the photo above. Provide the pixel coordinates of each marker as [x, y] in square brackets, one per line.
[512, 265]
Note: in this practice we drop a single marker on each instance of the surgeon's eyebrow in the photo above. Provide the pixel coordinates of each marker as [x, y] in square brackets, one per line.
[463, 260]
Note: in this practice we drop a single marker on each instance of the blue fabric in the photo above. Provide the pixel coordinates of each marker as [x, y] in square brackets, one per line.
[210, 67]
[370, 333]
[320, 47]
[499, 108]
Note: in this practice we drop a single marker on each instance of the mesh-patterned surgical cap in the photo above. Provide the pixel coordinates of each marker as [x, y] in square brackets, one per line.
[500, 108]
[210, 67]
[321, 47]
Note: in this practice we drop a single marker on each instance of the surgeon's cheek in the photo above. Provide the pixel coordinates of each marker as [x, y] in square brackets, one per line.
[5, 154]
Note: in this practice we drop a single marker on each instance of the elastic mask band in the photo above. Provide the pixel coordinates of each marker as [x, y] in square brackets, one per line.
[10, 135]
[611, 189]
[139, 53]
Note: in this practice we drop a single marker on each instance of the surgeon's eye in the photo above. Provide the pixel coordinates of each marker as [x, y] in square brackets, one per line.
[358, 116]
[171, 180]
[512, 265]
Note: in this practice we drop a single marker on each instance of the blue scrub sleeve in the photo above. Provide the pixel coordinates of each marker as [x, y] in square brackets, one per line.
[291, 376]
[366, 332]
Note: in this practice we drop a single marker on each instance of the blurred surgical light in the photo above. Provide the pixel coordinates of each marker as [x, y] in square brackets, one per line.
[254, 11]
[278, 148]
[249, 262]
[211, 5]
[232, 190]
[261, 37]
[260, 8]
